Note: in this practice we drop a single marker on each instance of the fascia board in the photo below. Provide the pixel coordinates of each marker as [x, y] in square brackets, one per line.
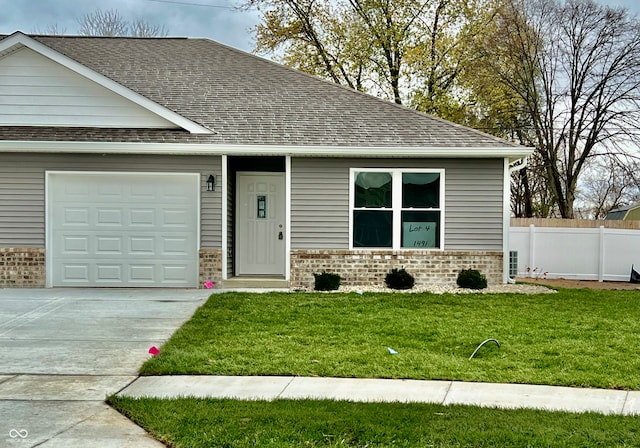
[19, 38]
[512, 153]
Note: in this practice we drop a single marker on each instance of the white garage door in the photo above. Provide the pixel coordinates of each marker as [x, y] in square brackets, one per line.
[122, 229]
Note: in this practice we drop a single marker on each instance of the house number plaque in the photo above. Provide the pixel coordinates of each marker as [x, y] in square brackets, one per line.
[262, 207]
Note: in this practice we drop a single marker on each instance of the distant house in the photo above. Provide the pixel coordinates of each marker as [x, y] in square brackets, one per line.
[628, 213]
[130, 162]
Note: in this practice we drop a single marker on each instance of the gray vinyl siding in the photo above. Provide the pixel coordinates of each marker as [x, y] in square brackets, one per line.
[320, 203]
[473, 200]
[22, 190]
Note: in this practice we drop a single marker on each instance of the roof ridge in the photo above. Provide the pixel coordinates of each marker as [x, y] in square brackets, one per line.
[81, 36]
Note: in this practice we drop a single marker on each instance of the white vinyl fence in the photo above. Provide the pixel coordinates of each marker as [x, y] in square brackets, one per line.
[574, 253]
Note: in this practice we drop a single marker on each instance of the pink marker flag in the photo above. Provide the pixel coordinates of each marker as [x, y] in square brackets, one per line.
[209, 284]
[154, 350]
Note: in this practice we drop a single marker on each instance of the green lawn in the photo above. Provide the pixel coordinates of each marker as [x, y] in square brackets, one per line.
[280, 424]
[574, 338]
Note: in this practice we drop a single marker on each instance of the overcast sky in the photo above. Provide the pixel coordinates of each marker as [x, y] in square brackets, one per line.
[214, 19]
[219, 20]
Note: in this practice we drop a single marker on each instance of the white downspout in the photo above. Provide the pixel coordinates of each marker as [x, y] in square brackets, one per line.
[510, 168]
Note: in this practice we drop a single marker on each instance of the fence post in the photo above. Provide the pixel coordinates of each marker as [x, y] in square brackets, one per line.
[532, 249]
[601, 255]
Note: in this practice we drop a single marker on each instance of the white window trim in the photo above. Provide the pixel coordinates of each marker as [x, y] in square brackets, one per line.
[396, 179]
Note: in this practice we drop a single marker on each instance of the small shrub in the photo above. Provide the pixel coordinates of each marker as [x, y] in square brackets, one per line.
[472, 279]
[327, 281]
[399, 279]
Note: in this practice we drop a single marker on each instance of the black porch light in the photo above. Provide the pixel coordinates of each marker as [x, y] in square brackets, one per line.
[211, 183]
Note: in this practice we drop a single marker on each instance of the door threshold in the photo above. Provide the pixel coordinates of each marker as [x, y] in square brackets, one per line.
[255, 282]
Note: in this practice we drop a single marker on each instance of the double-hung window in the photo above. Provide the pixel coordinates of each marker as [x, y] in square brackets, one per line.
[397, 208]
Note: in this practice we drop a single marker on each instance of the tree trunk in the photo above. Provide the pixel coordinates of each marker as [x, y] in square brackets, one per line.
[528, 201]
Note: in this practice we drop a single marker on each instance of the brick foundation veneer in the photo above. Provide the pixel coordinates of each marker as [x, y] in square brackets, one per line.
[210, 266]
[25, 267]
[363, 268]
[22, 267]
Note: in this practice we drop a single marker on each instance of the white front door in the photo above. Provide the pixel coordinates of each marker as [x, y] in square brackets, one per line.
[260, 224]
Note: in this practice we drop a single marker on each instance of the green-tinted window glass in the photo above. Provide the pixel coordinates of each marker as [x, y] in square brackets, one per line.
[372, 228]
[420, 190]
[373, 190]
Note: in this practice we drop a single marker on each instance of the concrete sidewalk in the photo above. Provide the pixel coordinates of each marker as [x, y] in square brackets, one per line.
[509, 396]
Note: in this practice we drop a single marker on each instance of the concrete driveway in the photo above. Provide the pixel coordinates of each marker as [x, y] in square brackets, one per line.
[62, 351]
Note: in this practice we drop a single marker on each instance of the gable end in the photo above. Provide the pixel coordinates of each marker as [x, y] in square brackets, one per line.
[41, 87]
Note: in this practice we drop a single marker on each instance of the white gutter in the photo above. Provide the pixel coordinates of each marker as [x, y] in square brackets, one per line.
[513, 153]
[513, 167]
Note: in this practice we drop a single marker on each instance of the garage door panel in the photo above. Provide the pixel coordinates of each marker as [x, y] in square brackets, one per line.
[142, 246]
[174, 273]
[110, 191]
[130, 247]
[142, 273]
[140, 231]
[109, 217]
[181, 191]
[75, 245]
[143, 192]
[174, 246]
[74, 191]
[175, 218]
[109, 273]
[142, 217]
[75, 216]
[108, 245]
[123, 274]
[75, 273]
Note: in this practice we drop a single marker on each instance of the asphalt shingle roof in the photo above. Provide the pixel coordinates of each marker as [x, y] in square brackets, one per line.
[245, 100]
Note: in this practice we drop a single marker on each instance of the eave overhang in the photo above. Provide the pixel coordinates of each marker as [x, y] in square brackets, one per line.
[512, 153]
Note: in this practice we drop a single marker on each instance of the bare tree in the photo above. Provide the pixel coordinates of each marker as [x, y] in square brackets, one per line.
[103, 23]
[608, 184]
[141, 28]
[51, 30]
[529, 193]
[575, 64]
[111, 24]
